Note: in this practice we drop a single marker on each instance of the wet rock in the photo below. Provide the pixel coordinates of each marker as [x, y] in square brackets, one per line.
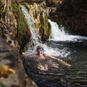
[12, 72]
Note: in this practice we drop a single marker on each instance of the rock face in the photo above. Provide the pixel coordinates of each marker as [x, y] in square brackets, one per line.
[13, 31]
[12, 72]
[72, 15]
[13, 25]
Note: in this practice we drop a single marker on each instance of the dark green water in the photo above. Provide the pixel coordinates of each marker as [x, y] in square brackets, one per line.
[75, 76]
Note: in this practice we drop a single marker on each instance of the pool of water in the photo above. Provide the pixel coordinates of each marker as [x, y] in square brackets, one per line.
[75, 76]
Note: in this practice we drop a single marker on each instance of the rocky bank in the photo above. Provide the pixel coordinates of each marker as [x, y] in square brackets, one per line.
[14, 38]
[13, 32]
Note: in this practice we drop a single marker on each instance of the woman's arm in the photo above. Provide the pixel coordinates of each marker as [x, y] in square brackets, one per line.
[59, 60]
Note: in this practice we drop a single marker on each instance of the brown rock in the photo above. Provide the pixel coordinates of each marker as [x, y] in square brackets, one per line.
[2, 5]
[12, 72]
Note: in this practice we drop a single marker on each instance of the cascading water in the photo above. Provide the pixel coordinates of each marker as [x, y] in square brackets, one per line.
[60, 35]
[57, 34]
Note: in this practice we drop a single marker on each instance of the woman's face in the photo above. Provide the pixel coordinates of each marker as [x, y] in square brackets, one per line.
[40, 51]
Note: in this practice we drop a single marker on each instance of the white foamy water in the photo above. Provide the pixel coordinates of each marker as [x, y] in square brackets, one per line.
[56, 33]
[60, 35]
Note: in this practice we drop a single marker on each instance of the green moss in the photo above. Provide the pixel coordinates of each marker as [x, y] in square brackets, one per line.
[38, 7]
[7, 9]
[50, 30]
[46, 28]
[21, 25]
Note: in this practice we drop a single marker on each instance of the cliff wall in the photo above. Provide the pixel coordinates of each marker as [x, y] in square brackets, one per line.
[13, 31]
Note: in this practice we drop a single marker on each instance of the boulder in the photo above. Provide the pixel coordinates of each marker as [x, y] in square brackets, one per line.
[12, 73]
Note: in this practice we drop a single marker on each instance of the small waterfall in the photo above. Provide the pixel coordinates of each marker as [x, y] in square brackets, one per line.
[60, 35]
[57, 34]
[35, 36]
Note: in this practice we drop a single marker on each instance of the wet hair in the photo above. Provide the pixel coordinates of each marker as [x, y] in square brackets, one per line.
[39, 48]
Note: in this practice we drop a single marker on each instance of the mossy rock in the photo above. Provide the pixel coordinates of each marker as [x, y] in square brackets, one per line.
[23, 32]
[46, 28]
[1, 85]
[40, 20]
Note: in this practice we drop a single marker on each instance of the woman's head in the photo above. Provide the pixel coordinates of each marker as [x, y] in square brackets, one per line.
[39, 49]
